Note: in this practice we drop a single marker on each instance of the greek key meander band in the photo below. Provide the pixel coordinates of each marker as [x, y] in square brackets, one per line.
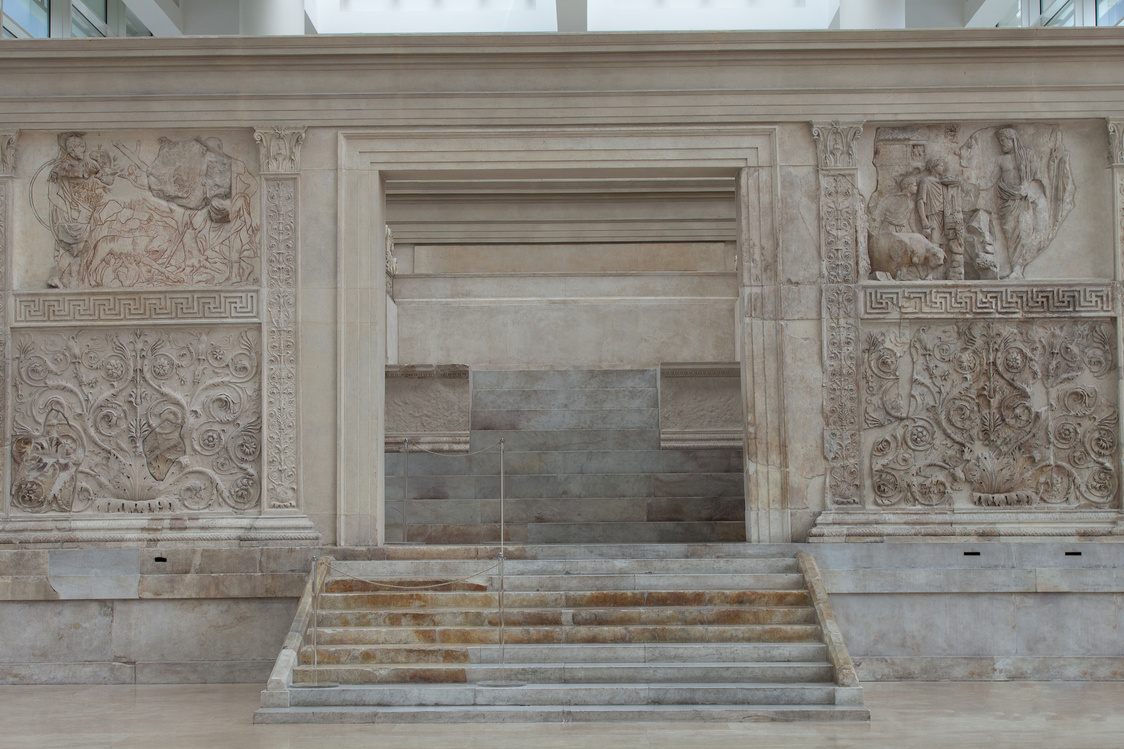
[1003, 300]
[154, 306]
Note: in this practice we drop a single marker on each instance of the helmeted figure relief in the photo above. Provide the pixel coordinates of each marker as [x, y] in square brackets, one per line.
[986, 204]
[163, 213]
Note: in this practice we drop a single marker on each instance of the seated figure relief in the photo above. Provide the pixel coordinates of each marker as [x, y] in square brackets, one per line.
[982, 209]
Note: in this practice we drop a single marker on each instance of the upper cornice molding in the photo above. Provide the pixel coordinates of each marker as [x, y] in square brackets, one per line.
[999, 43]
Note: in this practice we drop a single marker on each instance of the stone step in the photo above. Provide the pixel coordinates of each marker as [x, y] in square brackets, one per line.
[560, 714]
[626, 653]
[579, 459]
[332, 669]
[559, 617]
[568, 634]
[563, 379]
[571, 694]
[563, 599]
[654, 581]
[438, 568]
[642, 551]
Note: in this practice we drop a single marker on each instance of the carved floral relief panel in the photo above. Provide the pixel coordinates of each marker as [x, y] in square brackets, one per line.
[136, 420]
[123, 211]
[990, 414]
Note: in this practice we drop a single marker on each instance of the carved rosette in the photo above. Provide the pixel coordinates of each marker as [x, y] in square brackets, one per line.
[840, 228]
[280, 149]
[281, 342]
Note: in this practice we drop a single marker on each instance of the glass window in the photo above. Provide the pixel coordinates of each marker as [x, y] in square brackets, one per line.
[95, 9]
[83, 27]
[1058, 13]
[133, 25]
[33, 16]
[1110, 12]
[1013, 16]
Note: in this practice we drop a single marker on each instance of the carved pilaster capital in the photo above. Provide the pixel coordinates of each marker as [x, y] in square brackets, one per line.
[8, 152]
[1116, 142]
[280, 149]
[835, 144]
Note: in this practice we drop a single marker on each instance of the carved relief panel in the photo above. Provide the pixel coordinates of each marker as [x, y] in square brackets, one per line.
[991, 414]
[126, 210]
[955, 203]
[136, 421]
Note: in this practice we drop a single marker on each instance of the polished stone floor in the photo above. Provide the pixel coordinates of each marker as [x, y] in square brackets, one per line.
[949, 714]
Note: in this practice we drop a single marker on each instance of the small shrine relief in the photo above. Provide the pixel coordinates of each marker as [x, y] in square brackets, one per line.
[150, 212]
[981, 207]
[137, 421]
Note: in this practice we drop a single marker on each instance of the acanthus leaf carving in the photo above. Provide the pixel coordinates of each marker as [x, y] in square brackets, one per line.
[280, 149]
[8, 139]
[136, 421]
[1116, 142]
[836, 144]
[991, 414]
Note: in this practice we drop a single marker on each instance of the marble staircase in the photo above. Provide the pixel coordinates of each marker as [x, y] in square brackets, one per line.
[583, 465]
[591, 633]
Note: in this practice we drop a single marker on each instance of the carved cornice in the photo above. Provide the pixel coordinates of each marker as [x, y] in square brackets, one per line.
[700, 369]
[1116, 142]
[8, 152]
[427, 371]
[280, 149]
[835, 144]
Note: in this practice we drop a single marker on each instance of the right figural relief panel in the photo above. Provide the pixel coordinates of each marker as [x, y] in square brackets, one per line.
[958, 203]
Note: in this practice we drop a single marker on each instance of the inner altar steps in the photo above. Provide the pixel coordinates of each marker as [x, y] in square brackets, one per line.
[583, 465]
[716, 632]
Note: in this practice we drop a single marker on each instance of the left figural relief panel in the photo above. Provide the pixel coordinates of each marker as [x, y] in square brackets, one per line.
[126, 210]
[161, 420]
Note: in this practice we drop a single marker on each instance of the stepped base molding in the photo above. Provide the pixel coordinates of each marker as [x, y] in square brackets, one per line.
[295, 530]
[962, 525]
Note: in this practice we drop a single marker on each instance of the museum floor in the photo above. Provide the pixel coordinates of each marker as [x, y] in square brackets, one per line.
[1024, 714]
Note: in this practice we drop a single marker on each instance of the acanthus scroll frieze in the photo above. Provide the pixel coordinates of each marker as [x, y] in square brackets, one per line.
[136, 421]
[991, 414]
[280, 149]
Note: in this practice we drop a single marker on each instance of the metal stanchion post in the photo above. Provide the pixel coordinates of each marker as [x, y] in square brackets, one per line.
[504, 681]
[406, 496]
